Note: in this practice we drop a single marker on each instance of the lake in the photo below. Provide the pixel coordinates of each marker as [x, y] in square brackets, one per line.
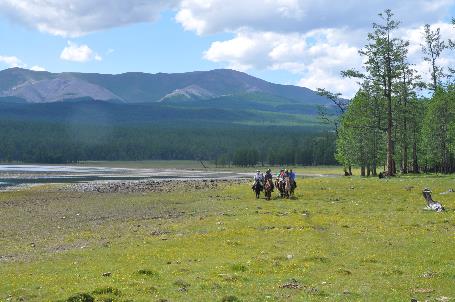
[16, 175]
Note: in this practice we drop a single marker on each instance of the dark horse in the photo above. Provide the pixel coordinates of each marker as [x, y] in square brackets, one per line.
[257, 188]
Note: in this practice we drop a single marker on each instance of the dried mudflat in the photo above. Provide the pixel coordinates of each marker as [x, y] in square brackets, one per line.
[339, 239]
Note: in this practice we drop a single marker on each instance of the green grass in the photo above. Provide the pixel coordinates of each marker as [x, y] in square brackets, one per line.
[341, 239]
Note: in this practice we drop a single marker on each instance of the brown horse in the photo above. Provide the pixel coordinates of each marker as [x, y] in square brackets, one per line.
[288, 191]
[268, 188]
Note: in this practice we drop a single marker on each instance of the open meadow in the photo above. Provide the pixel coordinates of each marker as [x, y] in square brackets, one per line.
[339, 239]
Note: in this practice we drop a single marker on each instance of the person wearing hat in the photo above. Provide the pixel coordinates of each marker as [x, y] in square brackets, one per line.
[268, 175]
[258, 178]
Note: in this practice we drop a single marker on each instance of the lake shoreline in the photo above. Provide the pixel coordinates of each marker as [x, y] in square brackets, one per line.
[151, 185]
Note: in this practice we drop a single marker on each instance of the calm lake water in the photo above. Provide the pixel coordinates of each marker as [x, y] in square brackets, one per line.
[14, 175]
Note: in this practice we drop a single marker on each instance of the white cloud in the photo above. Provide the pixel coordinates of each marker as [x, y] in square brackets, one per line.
[318, 56]
[12, 61]
[314, 39]
[79, 53]
[306, 38]
[37, 68]
[69, 18]
[213, 16]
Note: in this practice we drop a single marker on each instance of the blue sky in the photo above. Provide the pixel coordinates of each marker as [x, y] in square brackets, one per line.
[283, 41]
[160, 46]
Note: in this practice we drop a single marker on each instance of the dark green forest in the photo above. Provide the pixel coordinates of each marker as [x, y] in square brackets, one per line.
[244, 145]
[243, 130]
[400, 120]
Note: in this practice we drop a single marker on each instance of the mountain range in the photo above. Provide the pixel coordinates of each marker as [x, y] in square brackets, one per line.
[27, 86]
[66, 117]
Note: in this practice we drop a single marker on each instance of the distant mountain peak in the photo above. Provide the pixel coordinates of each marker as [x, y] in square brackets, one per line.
[139, 87]
[60, 88]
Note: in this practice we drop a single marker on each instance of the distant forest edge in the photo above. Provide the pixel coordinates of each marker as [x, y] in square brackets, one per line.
[242, 145]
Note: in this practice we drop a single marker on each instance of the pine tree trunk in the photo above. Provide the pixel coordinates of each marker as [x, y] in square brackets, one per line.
[388, 94]
[362, 171]
[415, 162]
[404, 168]
[390, 163]
[405, 159]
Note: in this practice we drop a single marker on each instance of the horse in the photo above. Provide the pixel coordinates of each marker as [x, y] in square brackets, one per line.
[268, 188]
[257, 188]
[293, 186]
[279, 184]
[287, 188]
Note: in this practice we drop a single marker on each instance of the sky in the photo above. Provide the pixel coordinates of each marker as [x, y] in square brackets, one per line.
[298, 42]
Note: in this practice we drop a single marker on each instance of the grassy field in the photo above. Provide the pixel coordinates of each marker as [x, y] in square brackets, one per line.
[340, 239]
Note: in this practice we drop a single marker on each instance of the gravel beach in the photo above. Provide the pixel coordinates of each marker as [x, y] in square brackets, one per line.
[150, 185]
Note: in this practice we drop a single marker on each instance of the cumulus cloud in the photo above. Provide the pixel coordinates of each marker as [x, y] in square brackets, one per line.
[79, 53]
[317, 55]
[306, 38]
[69, 18]
[212, 16]
[314, 39]
[12, 61]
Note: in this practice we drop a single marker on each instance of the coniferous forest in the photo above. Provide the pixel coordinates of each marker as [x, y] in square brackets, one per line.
[225, 144]
[399, 121]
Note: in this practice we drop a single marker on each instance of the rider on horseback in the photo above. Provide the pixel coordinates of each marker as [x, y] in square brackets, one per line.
[292, 176]
[258, 179]
[269, 176]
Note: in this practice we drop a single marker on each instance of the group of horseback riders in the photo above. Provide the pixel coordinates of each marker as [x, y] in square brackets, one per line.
[284, 182]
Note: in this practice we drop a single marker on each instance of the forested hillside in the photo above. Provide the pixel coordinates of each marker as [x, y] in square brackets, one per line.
[228, 131]
[221, 115]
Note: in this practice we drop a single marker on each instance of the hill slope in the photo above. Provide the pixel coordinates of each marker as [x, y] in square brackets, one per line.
[43, 87]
